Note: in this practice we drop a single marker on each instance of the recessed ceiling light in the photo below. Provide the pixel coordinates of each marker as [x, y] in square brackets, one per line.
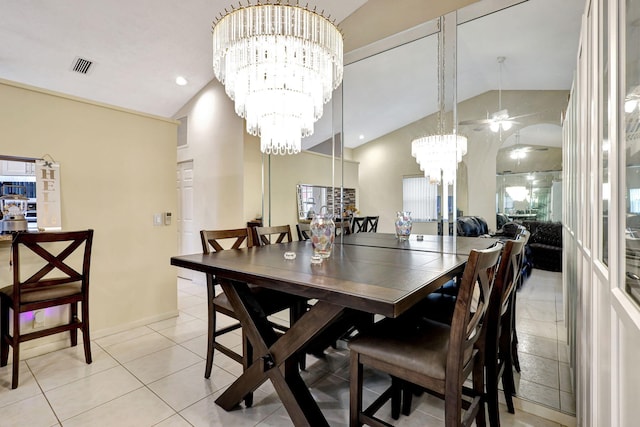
[361, 137]
[181, 81]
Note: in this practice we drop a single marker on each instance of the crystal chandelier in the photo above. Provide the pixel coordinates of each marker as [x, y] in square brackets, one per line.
[280, 64]
[438, 155]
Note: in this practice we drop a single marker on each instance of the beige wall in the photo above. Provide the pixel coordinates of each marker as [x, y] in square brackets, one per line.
[304, 168]
[117, 170]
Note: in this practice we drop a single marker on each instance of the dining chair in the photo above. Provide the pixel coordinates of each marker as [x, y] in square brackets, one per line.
[429, 354]
[523, 235]
[358, 224]
[304, 231]
[498, 328]
[58, 275]
[282, 234]
[371, 224]
[278, 233]
[499, 333]
[271, 301]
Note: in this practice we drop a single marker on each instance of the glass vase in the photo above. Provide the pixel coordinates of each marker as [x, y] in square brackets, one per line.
[323, 231]
[403, 225]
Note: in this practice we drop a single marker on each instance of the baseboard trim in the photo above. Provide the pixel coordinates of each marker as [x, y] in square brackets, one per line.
[544, 412]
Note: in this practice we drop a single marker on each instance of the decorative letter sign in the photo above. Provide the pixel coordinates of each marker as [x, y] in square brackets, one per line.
[48, 195]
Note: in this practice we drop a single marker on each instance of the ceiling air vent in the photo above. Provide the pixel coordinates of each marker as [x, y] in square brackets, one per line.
[81, 65]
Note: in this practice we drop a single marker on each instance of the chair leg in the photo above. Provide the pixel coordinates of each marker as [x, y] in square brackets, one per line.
[492, 393]
[86, 339]
[478, 388]
[355, 389]
[397, 387]
[16, 364]
[73, 319]
[508, 386]
[4, 334]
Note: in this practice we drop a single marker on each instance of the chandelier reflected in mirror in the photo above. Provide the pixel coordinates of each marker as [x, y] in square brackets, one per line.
[438, 154]
[280, 64]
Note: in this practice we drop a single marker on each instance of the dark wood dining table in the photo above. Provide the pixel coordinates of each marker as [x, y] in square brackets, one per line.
[375, 278]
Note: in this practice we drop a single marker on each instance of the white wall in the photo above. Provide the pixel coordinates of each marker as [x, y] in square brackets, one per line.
[117, 170]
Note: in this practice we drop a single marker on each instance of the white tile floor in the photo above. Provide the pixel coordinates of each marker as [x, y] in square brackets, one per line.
[153, 376]
[545, 376]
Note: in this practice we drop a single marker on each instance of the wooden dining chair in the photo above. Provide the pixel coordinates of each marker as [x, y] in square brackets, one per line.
[58, 276]
[271, 301]
[282, 234]
[499, 330]
[432, 355]
[274, 234]
[523, 235]
[358, 224]
[304, 231]
[371, 224]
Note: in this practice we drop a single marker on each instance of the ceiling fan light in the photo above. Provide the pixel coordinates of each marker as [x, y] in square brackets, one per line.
[494, 126]
[506, 125]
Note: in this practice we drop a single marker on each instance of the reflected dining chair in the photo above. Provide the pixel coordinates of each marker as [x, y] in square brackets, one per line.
[271, 301]
[58, 275]
[432, 355]
[371, 224]
[304, 231]
[358, 224]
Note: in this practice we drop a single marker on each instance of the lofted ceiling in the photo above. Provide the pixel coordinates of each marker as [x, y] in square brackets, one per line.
[139, 47]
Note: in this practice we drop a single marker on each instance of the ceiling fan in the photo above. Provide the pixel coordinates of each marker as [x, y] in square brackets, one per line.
[519, 152]
[500, 120]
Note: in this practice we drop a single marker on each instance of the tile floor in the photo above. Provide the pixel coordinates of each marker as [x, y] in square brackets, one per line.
[153, 376]
[545, 376]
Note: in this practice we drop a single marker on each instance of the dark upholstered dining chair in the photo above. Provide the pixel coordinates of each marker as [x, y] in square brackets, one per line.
[431, 355]
[271, 301]
[60, 277]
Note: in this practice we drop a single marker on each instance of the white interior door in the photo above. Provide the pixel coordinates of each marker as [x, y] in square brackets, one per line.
[185, 222]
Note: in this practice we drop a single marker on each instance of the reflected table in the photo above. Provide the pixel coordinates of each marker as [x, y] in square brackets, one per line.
[371, 279]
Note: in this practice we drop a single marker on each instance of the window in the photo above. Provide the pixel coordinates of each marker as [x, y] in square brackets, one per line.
[420, 197]
[634, 200]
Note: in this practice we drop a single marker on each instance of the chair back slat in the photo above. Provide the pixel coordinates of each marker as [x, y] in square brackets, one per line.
[54, 259]
[304, 231]
[467, 320]
[358, 224]
[371, 224]
[280, 232]
[211, 239]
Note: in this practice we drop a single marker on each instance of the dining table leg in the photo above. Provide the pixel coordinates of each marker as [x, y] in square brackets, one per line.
[272, 351]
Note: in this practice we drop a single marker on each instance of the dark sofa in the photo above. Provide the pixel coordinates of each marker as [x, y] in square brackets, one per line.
[472, 226]
[545, 244]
